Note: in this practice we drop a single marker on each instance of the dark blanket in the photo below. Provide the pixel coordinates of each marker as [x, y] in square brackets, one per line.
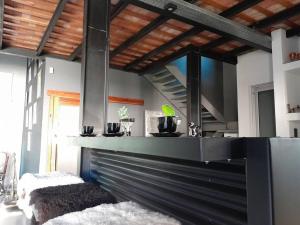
[51, 202]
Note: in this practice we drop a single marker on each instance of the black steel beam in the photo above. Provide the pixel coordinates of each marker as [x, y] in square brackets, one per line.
[75, 53]
[238, 51]
[122, 4]
[164, 47]
[194, 31]
[283, 15]
[278, 17]
[58, 11]
[138, 36]
[1, 21]
[167, 59]
[215, 23]
[293, 32]
[95, 64]
[193, 88]
[231, 59]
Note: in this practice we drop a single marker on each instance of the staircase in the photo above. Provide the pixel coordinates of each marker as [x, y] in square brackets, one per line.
[172, 84]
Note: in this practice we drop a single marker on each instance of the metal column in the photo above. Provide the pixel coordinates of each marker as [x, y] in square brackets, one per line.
[194, 88]
[95, 63]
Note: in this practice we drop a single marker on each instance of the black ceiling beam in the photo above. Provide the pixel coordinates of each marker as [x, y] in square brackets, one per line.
[238, 51]
[1, 22]
[214, 23]
[194, 31]
[278, 17]
[166, 60]
[122, 4]
[142, 33]
[293, 32]
[283, 15]
[58, 11]
[117, 9]
[75, 53]
[182, 52]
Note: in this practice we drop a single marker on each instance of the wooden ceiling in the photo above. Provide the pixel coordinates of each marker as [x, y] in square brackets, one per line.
[139, 38]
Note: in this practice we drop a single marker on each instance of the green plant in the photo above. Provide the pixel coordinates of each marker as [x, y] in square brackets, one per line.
[168, 110]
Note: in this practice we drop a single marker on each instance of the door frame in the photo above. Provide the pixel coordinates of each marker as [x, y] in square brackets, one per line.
[255, 109]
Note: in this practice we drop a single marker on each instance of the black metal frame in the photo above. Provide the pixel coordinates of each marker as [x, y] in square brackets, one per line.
[193, 87]
[58, 11]
[239, 7]
[1, 21]
[175, 186]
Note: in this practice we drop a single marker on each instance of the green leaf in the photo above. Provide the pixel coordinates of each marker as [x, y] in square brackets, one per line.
[168, 110]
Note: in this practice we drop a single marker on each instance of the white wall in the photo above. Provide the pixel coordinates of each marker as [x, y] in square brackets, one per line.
[252, 69]
[66, 77]
[12, 96]
[286, 84]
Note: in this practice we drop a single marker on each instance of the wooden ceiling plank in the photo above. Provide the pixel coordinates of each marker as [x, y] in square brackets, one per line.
[58, 11]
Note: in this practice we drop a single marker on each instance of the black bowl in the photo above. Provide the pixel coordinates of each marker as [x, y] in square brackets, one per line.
[167, 124]
[113, 128]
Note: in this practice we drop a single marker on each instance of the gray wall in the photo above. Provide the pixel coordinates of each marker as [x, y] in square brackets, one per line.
[212, 82]
[11, 121]
[230, 92]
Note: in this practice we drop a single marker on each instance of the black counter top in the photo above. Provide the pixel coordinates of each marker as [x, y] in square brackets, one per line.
[187, 148]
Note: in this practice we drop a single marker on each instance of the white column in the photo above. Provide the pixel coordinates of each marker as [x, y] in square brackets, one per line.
[280, 50]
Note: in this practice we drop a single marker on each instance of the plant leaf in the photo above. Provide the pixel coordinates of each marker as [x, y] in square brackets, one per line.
[168, 110]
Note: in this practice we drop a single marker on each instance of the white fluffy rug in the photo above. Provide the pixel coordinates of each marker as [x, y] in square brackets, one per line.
[124, 213]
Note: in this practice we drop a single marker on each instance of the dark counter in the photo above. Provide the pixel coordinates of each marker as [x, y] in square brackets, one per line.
[187, 148]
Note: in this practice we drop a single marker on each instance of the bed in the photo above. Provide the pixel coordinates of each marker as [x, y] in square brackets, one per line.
[123, 213]
[30, 182]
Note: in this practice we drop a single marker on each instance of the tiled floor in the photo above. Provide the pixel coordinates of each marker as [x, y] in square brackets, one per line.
[11, 215]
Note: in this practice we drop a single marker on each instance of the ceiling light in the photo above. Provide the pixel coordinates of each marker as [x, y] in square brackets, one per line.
[170, 7]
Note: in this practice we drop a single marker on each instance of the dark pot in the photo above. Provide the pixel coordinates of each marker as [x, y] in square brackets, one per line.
[113, 128]
[167, 124]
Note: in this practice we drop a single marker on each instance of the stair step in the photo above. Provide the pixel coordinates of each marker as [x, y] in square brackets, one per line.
[165, 79]
[161, 74]
[180, 93]
[172, 84]
[178, 88]
[179, 98]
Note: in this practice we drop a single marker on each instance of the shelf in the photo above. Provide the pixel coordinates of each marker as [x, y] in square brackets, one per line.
[293, 116]
[292, 67]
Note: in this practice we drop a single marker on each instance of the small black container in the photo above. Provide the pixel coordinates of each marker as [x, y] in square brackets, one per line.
[87, 129]
[167, 124]
[113, 128]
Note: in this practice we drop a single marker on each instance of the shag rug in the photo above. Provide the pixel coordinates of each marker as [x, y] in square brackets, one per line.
[124, 213]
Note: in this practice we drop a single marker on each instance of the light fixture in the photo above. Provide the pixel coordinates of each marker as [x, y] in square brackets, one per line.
[170, 7]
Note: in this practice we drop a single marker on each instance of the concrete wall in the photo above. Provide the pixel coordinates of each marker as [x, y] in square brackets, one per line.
[253, 69]
[12, 89]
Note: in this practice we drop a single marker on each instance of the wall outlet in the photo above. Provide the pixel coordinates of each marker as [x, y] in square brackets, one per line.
[51, 70]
